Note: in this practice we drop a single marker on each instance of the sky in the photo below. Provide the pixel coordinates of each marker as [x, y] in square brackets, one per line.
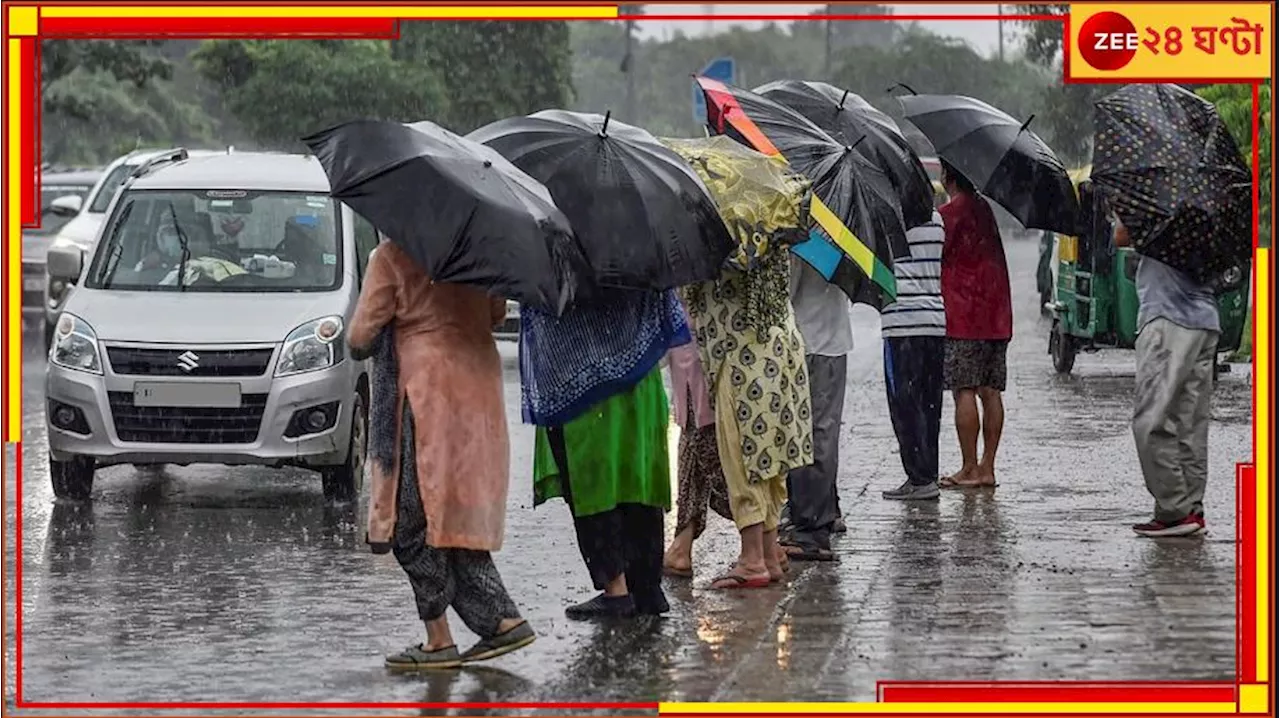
[981, 34]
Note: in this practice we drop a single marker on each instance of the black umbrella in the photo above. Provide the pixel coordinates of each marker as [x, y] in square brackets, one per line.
[1174, 175]
[848, 118]
[645, 219]
[856, 216]
[462, 211]
[1000, 156]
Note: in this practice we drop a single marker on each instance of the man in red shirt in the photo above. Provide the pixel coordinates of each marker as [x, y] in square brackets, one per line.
[979, 311]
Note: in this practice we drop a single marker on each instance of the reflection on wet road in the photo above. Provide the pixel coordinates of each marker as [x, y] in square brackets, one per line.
[210, 583]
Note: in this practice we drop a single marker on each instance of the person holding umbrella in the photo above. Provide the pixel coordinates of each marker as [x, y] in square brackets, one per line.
[441, 335]
[591, 384]
[979, 318]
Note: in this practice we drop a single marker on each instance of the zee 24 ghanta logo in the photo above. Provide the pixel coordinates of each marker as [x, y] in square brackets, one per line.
[1109, 41]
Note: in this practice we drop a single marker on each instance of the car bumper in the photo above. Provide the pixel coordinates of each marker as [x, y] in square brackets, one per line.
[98, 399]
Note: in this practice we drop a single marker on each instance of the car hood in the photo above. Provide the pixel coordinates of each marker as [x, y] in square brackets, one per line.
[198, 318]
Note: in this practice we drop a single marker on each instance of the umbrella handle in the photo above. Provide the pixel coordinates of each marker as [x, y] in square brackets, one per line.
[1025, 124]
[904, 86]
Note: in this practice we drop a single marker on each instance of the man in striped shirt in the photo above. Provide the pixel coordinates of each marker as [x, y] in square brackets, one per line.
[914, 329]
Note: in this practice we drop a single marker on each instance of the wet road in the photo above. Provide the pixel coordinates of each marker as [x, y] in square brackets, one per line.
[209, 583]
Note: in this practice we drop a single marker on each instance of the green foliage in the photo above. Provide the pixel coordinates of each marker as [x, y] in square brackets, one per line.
[102, 98]
[490, 70]
[867, 57]
[282, 90]
[1235, 106]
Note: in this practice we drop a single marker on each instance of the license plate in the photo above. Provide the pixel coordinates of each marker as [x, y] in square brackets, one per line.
[183, 394]
[33, 285]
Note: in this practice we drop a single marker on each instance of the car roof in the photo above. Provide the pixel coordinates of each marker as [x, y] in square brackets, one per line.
[241, 170]
[78, 177]
[139, 156]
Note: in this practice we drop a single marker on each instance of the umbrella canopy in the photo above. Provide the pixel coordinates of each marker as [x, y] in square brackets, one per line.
[644, 218]
[852, 120]
[1000, 156]
[857, 225]
[460, 210]
[764, 204]
[1176, 179]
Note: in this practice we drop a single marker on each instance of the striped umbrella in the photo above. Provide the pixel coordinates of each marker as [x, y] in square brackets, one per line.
[856, 221]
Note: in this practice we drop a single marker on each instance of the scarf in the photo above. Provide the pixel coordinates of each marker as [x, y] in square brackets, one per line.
[572, 362]
[383, 400]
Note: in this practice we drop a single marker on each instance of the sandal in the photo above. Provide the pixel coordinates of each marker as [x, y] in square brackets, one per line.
[739, 581]
[415, 658]
[512, 639]
[808, 552]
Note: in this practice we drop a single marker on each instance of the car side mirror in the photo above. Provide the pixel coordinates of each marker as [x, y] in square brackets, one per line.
[65, 263]
[68, 205]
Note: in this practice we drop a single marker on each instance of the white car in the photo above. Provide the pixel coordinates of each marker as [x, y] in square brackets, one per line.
[82, 229]
[208, 326]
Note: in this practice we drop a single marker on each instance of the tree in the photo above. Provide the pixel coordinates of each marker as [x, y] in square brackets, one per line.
[491, 70]
[125, 61]
[282, 90]
[1066, 109]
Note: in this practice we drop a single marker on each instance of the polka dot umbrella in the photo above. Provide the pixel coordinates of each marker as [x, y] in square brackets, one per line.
[1175, 177]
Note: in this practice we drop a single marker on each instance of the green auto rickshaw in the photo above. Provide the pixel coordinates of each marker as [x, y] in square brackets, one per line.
[1092, 297]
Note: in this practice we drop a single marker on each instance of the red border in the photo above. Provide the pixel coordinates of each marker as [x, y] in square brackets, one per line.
[384, 28]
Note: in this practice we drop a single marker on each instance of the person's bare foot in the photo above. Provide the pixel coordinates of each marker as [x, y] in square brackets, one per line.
[982, 476]
[677, 563]
[777, 564]
[742, 575]
[963, 477]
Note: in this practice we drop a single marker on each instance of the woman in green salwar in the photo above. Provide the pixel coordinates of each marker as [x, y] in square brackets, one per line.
[590, 381]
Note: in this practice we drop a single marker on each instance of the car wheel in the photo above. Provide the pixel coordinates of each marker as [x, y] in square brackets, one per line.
[343, 483]
[72, 479]
[1062, 347]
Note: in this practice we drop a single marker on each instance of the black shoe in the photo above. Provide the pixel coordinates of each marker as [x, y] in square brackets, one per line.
[652, 606]
[602, 606]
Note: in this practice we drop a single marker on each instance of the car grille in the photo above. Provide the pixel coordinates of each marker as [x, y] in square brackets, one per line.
[187, 425]
[137, 361]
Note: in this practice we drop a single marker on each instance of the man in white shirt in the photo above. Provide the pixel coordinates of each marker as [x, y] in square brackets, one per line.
[822, 315]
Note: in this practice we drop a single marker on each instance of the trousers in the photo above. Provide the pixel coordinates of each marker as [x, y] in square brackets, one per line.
[913, 383]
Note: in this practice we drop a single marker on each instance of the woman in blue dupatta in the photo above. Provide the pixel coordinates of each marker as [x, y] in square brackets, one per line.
[591, 383]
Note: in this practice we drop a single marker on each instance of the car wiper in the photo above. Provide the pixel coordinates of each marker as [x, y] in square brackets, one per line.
[185, 255]
[117, 249]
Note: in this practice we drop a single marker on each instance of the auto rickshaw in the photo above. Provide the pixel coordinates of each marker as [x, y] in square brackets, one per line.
[1095, 302]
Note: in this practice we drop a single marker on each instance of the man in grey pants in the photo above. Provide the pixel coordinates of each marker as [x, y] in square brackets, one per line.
[1177, 346]
[822, 315]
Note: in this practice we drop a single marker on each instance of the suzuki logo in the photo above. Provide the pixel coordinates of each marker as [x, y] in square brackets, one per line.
[188, 360]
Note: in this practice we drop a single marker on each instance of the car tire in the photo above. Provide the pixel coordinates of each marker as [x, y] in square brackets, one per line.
[343, 483]
[1062, 347]
[72, 479]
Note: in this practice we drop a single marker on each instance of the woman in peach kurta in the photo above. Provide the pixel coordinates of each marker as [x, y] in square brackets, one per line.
[439, 501]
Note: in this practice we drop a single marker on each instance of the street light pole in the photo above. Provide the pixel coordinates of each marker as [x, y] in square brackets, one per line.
[630, 64]
[1000, 29]
[826, 60]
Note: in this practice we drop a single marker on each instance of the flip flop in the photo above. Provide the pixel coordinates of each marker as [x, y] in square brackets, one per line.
[739, 582]
[949, 482]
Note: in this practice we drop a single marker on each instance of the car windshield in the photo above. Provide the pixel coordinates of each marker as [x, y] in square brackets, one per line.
[223, 240]
[115, 178]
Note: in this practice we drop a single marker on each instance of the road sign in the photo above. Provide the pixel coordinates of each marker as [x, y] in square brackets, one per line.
[723, 69]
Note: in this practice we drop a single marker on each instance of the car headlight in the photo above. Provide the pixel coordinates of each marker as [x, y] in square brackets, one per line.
[314, 345]
[75, 346]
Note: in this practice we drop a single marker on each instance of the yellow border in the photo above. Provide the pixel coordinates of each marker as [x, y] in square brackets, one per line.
[1263, 365]
[13, 252]
[549, 12]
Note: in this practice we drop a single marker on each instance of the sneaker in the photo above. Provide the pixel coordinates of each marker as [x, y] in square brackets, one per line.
[1192, 524]
[913, 492]
[602, 606]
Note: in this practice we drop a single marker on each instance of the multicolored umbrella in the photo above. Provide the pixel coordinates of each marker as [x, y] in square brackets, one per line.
[852, 120]
[1000, 156]
[764, 203]
[1172, 172]
[644, 218]
[857, 226]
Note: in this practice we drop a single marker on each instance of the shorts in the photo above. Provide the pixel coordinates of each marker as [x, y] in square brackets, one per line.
[974, 363]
